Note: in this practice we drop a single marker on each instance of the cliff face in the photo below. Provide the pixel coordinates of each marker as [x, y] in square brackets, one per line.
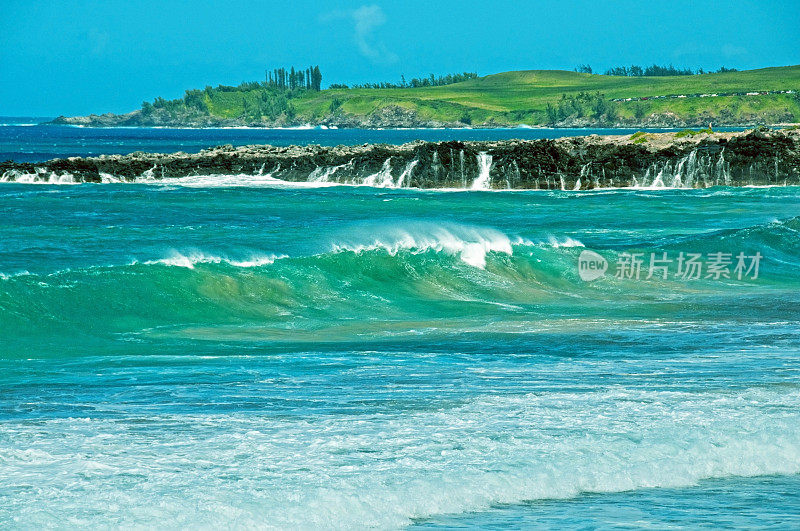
[758, 157]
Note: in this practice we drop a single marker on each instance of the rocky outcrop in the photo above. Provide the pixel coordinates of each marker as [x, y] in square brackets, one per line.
[385, 117]
[758, 157]
[394, 116]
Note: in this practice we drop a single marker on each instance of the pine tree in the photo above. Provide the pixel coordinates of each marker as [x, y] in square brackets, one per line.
[317, 78]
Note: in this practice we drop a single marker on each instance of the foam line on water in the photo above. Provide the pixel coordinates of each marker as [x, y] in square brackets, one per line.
[348, 472]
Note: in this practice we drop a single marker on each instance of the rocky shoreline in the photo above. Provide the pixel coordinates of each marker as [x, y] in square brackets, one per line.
[388, 117]
[756, 157]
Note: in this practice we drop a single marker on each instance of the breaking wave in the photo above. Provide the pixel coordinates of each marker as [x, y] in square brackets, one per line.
[470, 244]
[393, 273]
[192, 258]
[442, 271]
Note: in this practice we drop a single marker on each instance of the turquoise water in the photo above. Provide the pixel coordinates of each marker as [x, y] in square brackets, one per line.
[186, 354]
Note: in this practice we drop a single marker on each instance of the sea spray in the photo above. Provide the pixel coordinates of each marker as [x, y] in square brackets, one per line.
[469, 243]
[383, 178]
[483, 180]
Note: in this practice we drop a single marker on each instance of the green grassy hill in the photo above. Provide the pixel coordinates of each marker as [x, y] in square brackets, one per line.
[522, 97]
[532, 97]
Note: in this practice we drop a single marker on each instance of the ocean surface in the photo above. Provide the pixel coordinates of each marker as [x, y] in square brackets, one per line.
[22, 140]
[193, 353]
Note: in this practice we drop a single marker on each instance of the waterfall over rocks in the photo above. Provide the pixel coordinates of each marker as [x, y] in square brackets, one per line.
[482, 181]
[690, 171]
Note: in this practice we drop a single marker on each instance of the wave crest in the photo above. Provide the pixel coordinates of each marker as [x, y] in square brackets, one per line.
[470, 244]
[190, 259]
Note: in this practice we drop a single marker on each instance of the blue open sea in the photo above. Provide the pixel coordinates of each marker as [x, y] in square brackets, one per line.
[197, 354]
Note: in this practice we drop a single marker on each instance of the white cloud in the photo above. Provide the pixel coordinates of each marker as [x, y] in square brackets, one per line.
[366, 20]
[98, 41]
[732, 51]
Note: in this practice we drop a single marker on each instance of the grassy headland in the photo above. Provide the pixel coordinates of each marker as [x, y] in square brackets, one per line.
[531, 97]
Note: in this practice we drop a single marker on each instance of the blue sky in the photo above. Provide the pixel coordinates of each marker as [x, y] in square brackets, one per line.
[61, 57]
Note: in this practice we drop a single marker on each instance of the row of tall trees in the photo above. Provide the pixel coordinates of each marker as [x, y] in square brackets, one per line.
[652, 70]
[280, 78]
[273, 95]
[269, 98]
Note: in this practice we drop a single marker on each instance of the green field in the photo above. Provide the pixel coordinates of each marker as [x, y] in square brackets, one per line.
[523, 97]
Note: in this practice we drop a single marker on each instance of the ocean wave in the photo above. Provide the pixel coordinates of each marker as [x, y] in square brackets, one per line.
[409, 273]
[190, 259]
[398, 274]
[775, 237]
[470, 244]
[6, 276]
[566, 242]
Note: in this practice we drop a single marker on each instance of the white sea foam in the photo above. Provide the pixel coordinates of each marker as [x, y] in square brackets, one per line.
[566, 242]
[470, 244]
[6, 276]
[229, 181]
[192, 258]
[107, 178]
[385, 469]
[39, 177]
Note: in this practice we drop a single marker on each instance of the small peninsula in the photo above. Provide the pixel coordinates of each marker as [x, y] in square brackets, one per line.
[623, 97]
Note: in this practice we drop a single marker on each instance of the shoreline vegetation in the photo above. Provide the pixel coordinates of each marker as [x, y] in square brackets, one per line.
[687, 159]
[623, 97]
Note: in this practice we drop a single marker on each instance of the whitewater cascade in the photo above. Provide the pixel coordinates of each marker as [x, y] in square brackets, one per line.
[40, 176]
[382, 179]
[482, 181]
[406, 173]
[693, 170]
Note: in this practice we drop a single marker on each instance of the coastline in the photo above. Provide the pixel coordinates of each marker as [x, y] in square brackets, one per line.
[376, 122]
[459, 127]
